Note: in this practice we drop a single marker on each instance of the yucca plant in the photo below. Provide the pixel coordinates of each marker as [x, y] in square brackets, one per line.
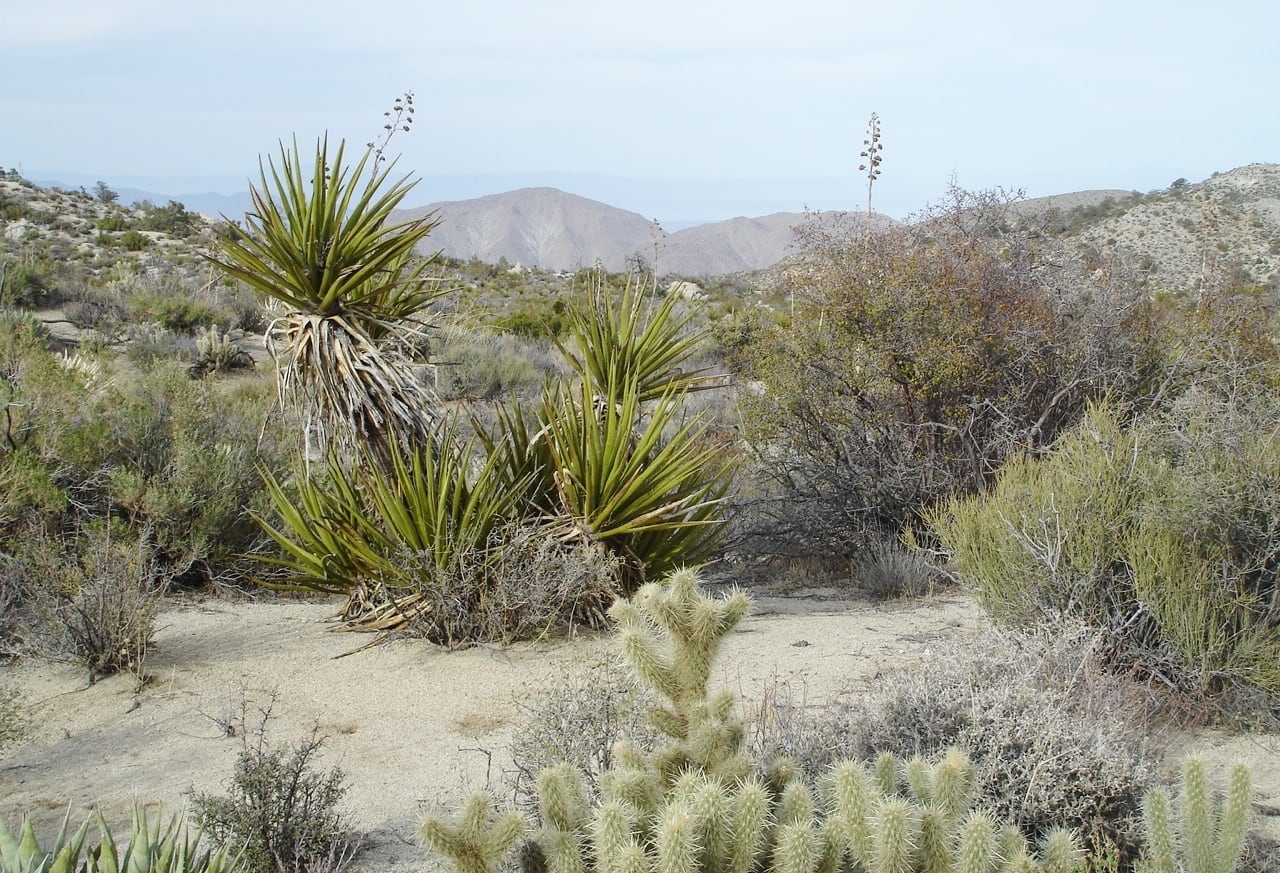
[620, 479]
[390, 539]
[629, 341]
[153, 847]
[352, 291]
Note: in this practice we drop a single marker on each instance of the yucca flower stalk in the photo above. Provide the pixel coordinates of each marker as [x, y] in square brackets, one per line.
[352, 292]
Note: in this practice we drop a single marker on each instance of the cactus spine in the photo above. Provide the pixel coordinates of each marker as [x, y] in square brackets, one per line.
[1202, 838]
[699, 803]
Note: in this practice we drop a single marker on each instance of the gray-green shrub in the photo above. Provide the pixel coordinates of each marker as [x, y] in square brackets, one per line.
[282, 806]
[1162, 533]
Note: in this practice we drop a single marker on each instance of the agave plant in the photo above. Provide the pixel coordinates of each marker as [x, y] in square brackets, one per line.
[352, 292]
[152, 848]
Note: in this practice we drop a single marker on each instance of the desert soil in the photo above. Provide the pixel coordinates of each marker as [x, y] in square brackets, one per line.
[415, 728]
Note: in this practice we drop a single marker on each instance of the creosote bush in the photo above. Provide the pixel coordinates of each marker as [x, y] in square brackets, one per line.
[912, 362]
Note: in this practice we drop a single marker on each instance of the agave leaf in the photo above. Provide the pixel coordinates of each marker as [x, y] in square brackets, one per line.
[29, 847]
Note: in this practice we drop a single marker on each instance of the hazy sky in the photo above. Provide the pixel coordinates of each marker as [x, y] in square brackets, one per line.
[769, 101]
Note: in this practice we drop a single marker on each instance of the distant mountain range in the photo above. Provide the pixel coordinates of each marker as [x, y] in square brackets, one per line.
[552, 230]
[1231, 220]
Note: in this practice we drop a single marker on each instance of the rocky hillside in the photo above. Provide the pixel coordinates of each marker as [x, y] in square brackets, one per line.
[1186, 237]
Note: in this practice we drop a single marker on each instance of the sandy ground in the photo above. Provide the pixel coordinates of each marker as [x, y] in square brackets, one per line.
[415, 728]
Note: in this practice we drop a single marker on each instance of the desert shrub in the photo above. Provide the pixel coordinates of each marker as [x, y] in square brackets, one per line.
[153, 452]
[176, 313]
[25, 283]
[535, 319]
[475, 365]
[282, 806]
[914, 361]
[113, 223]
[582, 716]
[100, 313]
[101, 596]
[172, 218]
[134, 241]
[1047, 750]
[187, 470]
[891, 568]
[1162, 533]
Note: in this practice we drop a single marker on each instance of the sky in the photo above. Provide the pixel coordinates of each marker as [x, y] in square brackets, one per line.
[676, 109]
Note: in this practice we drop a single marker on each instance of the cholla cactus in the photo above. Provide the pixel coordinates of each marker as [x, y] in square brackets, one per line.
[699, 803]
[1201, 839]
[216, 352]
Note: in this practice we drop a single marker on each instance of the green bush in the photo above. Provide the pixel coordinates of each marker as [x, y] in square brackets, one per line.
[477, 366]
[25, 284]
[112, 223]
[134, 241]
[172, 218]
[281, 807]
[155, 453]
[1160, 533]
[176, 312]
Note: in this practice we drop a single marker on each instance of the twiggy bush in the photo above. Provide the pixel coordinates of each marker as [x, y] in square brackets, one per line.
[914, 361]
[281, 807]
[579, 722]
[698, 801]
[1161, 534]
[106, 600]
[1052, 743]
[153, 847]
